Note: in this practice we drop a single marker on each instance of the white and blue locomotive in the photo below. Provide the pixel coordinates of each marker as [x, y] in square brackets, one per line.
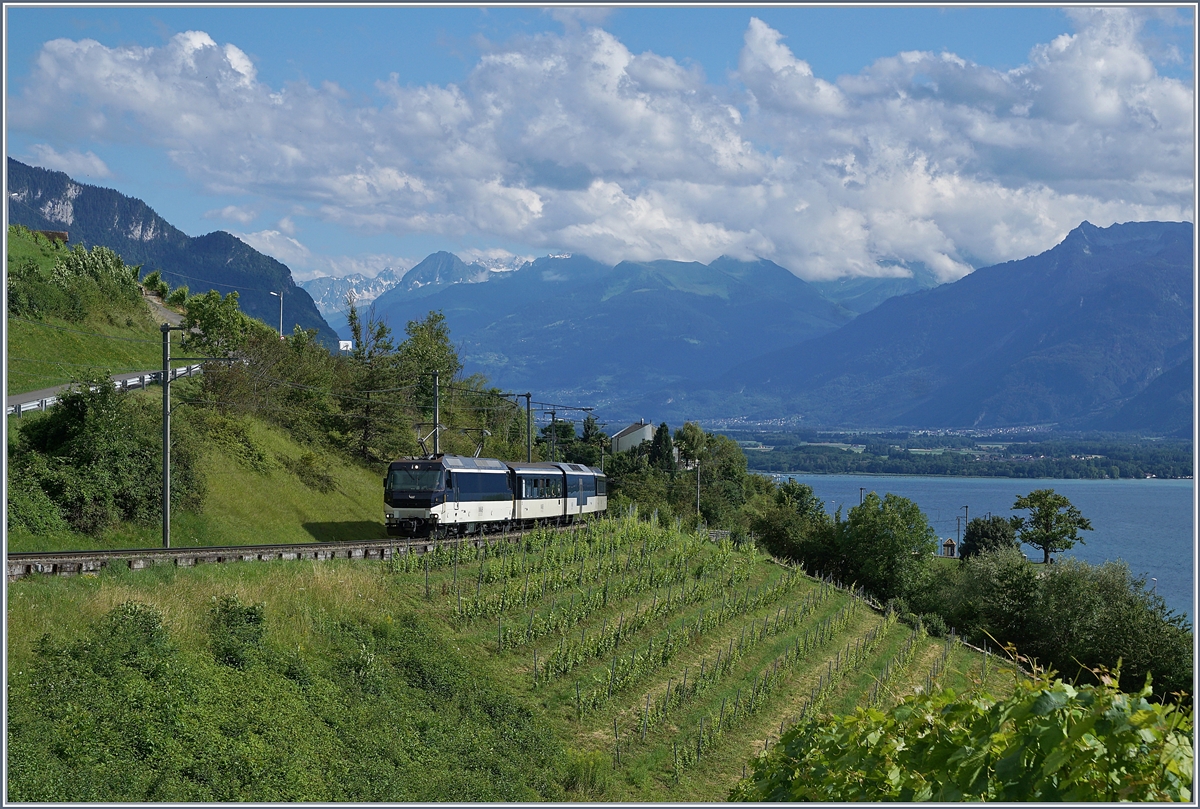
[454, 494]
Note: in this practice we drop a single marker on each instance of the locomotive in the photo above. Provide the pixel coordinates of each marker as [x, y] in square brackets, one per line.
[454, 494]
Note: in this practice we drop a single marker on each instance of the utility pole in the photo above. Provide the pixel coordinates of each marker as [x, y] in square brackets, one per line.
[958, 527]
[166, 330]
[861, 489]
[697, 488]
[528, 428]
[966, 515]
[280, 296]
[436, 422]
[553, 436]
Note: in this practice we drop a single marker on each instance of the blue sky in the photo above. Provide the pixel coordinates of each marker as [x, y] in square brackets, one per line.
[804, 135]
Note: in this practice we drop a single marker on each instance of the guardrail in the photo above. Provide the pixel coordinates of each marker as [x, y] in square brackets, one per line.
[126, 383]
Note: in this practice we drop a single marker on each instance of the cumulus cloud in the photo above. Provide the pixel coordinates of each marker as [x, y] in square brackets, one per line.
[70, 162]
[571, 142]
[232, 213]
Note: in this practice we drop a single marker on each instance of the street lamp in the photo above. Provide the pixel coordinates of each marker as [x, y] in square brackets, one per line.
[280, 296]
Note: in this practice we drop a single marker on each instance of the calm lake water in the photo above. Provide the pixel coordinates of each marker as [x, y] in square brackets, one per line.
[1147, 523]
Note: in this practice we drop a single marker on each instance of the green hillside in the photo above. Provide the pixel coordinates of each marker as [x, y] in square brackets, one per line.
[260, 486]
[61, 332]
[499, 674]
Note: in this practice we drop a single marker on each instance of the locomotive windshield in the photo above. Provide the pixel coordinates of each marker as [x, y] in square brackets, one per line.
[414, 480]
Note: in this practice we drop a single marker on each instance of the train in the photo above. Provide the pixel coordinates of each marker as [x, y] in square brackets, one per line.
[456, 495]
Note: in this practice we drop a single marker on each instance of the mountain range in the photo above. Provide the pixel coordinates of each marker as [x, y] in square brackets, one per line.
[1095, 333]
[575, 328]
[41, 199]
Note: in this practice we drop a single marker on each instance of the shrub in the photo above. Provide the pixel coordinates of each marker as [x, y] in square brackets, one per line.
[97, 456]
[236, 631]
[1048, 741]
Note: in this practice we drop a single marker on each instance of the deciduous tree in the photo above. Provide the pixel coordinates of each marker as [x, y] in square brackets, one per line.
[1053, 524]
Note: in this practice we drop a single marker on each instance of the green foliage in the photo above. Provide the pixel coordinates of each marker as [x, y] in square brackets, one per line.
[97, 457]
[662, 450]
[794, 525]
[1053, 524]
[884, 544]
[987, 534]
[178, 296]
[1049, 741]
[155, 285]
[215, 326]
[1067, 615]
[690, 439]
[312, 471]
[235, 631]
[122, 713]
[78, 285]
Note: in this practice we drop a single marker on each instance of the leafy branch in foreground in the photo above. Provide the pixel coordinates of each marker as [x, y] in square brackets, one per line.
[1049, 741]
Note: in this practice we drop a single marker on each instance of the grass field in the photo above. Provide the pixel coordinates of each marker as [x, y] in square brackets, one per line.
[247, 503]
[683, 655]
[52, 351]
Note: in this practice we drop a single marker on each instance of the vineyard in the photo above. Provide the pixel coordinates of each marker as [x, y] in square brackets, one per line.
[668, 660]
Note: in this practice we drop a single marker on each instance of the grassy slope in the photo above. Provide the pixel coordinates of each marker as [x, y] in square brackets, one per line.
[244, 506]
[45, 353]
[308, 605]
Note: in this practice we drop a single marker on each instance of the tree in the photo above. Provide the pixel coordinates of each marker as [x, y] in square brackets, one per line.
[1053, 524]
[794, 525]
[987, 534]
[885, 543]
[662, 450]
[373, 379]
[1048, 741]
[690, 440]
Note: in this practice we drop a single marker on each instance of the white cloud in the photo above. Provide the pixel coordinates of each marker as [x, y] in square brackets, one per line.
[573, 142]
[233, 213]
[281, 247]
[71, 162]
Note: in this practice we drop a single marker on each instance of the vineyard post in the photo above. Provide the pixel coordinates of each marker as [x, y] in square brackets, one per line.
[578, 701]
[646, 716]
[675, 750]
[499, 634]
[426, 576]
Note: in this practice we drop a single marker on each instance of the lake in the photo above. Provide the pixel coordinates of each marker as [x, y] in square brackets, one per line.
[1147, 523]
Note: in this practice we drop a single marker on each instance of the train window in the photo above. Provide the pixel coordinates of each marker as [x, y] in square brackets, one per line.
[414, 480]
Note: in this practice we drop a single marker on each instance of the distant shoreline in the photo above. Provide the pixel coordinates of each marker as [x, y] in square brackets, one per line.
[934, 475]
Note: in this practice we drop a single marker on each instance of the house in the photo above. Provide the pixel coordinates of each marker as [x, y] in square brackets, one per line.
[950, 547]
[632, 436]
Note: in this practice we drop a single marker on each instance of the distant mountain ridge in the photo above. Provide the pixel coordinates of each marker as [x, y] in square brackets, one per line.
[50, 200]
[574, 326]
[329, 292]
[1095, 333]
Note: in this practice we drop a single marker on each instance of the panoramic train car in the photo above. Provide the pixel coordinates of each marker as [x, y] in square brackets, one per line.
[447, 494]
[539, 493]
[586, 489]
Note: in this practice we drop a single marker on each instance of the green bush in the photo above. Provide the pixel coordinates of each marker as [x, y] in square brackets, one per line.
[121, 713]
[80, 284]
[1049, 741]
[236, 631]
[97, 457]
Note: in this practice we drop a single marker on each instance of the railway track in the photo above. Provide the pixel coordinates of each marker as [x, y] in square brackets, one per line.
[75, 563]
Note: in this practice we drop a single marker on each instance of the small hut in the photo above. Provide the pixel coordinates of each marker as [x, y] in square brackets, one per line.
[950, 548]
